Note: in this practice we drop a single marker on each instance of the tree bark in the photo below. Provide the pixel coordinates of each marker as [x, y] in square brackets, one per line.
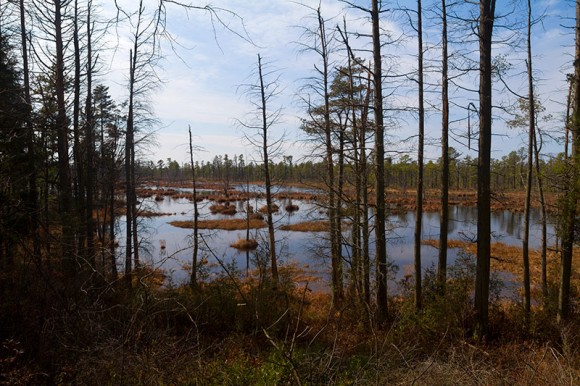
[531, 134]
[571, 198]
[444, 213]
[380, 237]
[193, 281]
[267, 180]
[486, 20]
[64, 177]
[419, 213]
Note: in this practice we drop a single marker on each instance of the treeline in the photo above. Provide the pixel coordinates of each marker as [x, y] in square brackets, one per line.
[508, 172]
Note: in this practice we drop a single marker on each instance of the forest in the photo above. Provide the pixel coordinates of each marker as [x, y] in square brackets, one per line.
[367, 261]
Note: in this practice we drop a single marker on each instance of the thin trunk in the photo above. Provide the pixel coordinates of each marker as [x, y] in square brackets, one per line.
[571, 197]
[487, 11]
[358, 272]
[531, 131]
[65, 194]
[335, 249]
[128, 177]
[193, 281]
[272, 239]
[567, 122]
[419, 214]
[365, 234]
[544, 248]
[90, 147]
[338, 221]
[79, 182]
[444, 213]
[380, 237]
[32, 173]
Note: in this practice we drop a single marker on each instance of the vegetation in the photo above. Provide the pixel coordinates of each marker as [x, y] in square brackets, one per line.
[76, 309]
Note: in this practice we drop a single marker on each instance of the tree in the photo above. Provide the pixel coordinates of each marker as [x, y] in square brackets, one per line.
[485, 31]
[380, 236]
[445, 150]
[261, 95]
[14, 216]
[572, 192]
[193, 280]
[419, 214]
[62, 126]
[531, 136]
[321, 125]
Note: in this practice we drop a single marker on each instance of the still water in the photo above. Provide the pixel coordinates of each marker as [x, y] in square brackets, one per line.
[306, 249]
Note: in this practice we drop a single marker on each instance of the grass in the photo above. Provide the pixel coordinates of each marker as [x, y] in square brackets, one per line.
[223, 209]
[228, 224]
[308, 226]
[245, 244]
[508, 258]
[264, 209]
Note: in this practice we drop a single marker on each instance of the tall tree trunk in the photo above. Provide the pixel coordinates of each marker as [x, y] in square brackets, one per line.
[32, 204]
[444, 213]
[365, 234]
[419, 214]
[90, 146]
[531, 131]
[65, 194]
[567, 122]
[486, 20]
[571, 197]
[265, 125]
[544, 247]
[380, 236]
[335, 250]
[128, 177]
[193, 281]
[79, 181]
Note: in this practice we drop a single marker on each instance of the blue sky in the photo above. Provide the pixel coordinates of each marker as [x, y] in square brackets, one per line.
[202, 78]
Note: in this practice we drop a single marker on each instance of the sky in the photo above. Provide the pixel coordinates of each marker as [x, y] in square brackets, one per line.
[204, 72]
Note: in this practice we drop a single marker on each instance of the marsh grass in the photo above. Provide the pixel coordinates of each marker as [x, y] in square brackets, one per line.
[223, 209]
[245, 244]
[226, 224]
[308, 226]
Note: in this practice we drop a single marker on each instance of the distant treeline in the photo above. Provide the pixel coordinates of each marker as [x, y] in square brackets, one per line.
[508, 172]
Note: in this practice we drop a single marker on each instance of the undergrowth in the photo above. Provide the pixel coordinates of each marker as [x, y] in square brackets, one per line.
[246, 332]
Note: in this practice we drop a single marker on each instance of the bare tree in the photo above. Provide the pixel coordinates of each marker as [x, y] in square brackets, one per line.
[419, 214]
[380, 219]
[531, 135]
[485, 31]
[193, 281]
[259, 134]
[444, 212]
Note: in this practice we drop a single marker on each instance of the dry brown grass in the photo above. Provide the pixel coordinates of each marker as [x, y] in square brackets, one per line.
[308, 226]
[228, 225]
[245, 244]
[264, 209]
[223, 209]
[256, 216]
[508, 258]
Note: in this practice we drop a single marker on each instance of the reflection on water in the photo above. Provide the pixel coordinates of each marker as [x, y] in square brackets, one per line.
[308, 249]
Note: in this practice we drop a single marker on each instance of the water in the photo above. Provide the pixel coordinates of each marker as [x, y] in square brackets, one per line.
[309, 250]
